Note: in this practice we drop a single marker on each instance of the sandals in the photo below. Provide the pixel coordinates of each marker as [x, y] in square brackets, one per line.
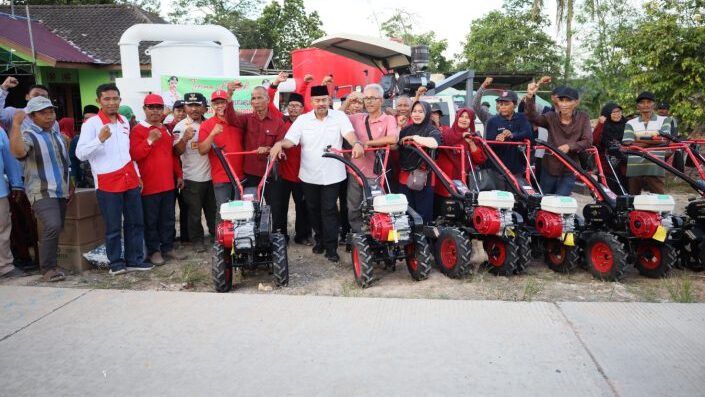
[53, 276]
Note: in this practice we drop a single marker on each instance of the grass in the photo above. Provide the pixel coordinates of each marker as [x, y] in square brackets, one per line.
[193, 275]
[680, 288]
[531, 289]
[350, 289]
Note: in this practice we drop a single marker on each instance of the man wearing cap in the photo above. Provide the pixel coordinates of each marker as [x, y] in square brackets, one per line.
[289, 165]
[644, 131]
[7, 113]
[178, 113]
[46, 171]
[508, 125]
[321, 177]
[215, 131]
[664, 109]
[151, 148]
[262, 129]
[568, 129]
[198, 186]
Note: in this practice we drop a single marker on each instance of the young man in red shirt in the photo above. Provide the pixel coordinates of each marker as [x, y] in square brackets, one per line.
[229, 139]
[151, 147]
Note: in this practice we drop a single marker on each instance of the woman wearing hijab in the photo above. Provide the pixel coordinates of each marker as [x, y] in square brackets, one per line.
[609, 131]
[449, 160]
[414, 180]
[67, 127]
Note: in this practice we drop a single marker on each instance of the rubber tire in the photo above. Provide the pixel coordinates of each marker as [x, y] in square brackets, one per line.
[221, 269]
[619, 257]
[571, 258]
[362, 253]
[418, 253]
[669, 256]
[694, 259]
[280, 260]
[524, 256]
[511, 254]
[463, 252]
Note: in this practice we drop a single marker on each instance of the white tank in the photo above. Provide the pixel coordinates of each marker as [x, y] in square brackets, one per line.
[195, 58]
[496, 199]
[237, 210]
[654, 203]
[559, 205]
[390, 203]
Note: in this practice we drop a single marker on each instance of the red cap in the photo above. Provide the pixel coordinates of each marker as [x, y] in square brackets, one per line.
[219, 94]
[153, 99]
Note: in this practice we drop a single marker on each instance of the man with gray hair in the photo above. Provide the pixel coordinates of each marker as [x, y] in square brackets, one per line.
[372, 129]
[261, 130]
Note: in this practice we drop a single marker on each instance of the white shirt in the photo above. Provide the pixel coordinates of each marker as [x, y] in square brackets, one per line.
[107, 156]
[315, 136]
[196, 167]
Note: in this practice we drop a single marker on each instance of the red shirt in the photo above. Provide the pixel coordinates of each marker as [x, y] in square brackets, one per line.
[258, 133]
[448, 160]
[156, 162]
[230, 140]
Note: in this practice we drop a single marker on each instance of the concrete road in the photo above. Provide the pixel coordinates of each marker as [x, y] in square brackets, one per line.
[134, 343]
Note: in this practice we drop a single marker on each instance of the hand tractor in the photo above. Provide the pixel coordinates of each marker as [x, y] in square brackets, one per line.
[472, 214]
[391, 230]
[244, 237]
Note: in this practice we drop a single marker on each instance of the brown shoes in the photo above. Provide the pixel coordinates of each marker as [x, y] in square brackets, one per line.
[156, 259]
[177, 255]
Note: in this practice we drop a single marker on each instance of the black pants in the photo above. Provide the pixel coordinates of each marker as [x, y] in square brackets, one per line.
[273, 197]
[343, 210]
[323, 213]
[283, 190]
[159, 221]
[199, 198]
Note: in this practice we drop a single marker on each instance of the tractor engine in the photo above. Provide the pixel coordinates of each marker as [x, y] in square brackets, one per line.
[238, 225]
[390, 221]
[556, 218]
[494, 212]
[651, 216]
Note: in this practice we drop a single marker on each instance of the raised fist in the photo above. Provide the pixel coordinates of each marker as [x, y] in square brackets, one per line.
[234, 85]
[217, 129]
[154, 135]
[9, 83]
[327, 80]
[487, 82]
[282, 77]
[188, 134]
[104, 133]
[308, 78]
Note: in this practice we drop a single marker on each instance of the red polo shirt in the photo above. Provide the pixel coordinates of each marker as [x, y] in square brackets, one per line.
[258, 133]
[230, 140]
[156, 162]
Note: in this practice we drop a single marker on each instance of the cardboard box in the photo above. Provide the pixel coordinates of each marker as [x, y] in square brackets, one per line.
[70, 257]
[79, 231]
[83, 205]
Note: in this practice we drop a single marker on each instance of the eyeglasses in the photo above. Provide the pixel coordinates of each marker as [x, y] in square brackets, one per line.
[371, 98]
[155, 107]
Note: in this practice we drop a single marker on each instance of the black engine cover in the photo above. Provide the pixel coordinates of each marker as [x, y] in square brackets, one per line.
[597, 214]
[696, 210]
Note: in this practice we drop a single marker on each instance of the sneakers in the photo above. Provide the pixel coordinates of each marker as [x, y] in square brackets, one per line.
[141, 267]
[156, 259]
[318, 249]
[14, 273]
[332, 257]
[117, 269]
[174, 254]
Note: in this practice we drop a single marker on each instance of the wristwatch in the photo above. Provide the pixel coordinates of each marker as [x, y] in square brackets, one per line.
[356, 142]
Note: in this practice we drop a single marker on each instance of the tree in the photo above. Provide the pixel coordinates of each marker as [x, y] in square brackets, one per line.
[287, 27]
[663, 53]
[511, 40]
[401, 25]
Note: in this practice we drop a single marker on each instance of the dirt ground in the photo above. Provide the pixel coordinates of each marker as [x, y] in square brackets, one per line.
[312, 274]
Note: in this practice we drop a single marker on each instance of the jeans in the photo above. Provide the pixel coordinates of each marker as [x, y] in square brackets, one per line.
[115, 207]
[159, 221]
[558, 185]
[199, 198]
[420, 200]
[50, 212]
[323, 213]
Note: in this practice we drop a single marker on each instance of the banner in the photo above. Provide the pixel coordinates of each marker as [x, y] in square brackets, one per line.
[174, 87]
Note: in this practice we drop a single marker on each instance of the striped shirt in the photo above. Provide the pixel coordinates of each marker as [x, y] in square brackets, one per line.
[636, 129]
[46, 165]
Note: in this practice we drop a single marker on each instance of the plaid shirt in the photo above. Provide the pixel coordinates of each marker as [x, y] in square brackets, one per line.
[46, 165]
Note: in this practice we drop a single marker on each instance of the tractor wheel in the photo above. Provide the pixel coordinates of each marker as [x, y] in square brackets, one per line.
[363, 265]
[222, 269]
[693, 256]
[524, 253]
[561, 258]
[280, 260]
[453, 252]
[654, 259]
[502, 255]
[605, 255]
[418, 257]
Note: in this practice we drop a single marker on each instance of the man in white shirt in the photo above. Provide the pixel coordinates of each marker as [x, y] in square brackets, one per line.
[198, 186]
[105, 143]
[321, 177]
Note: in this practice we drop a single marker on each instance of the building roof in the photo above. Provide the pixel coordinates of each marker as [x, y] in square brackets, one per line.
[48, 47]
[95, 29]
[259, 57]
